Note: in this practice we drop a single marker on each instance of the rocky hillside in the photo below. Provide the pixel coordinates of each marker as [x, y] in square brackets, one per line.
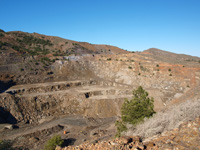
[31, 55]
[49, 84]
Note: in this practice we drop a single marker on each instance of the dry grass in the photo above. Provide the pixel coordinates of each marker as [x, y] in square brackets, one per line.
[167, 120]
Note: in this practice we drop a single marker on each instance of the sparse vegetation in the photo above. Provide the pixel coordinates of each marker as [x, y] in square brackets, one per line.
[121, 127]
[109, 59]
[53, 142]
[170, 74]
[169, 69]
[45, 59]
[75, 44]
[143, 68]
[30, 39]
[1, 34]
[135, 110]
[129, 67]
[139, 73]
[167, 120]
[29, 44]
[157, 65]
[2, 30]
[4, 44]
[6, 145]
[36, 63]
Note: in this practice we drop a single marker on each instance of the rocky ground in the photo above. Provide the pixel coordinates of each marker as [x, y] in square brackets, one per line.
[78, 130]
[186, 137]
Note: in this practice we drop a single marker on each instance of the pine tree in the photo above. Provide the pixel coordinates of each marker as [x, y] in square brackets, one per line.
[135, 110]
[139, 107]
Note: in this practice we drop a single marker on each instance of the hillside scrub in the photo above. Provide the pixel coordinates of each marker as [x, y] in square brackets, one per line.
[167, 120]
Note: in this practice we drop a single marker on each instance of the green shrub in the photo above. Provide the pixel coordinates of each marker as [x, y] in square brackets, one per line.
[157, 65]
[169, 69]
[121, 127]
[139, 107]
[53, 142]
[75, 44]
[129, 67]
[45, 59]
[5, 145]
[1, 35]
[143, 68]
[135, 110]
[109, 59]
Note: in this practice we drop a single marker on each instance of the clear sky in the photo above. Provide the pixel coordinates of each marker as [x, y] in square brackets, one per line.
[135, 25]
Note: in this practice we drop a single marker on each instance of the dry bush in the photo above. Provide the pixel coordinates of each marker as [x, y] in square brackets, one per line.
[167, 120]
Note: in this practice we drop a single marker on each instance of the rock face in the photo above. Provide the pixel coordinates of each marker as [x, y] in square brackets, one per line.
[30, 104]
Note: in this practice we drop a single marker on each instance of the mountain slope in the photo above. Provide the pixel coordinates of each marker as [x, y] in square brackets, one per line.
[32, 44]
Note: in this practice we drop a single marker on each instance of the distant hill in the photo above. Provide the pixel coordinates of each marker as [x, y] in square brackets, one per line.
[170, 57]
[31, 44]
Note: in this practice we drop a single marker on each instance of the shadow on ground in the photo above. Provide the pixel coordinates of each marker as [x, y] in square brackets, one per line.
[6, 85]
[68, 142]
[6, 116]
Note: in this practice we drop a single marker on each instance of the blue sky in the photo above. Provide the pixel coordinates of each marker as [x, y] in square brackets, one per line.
[135, 25]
